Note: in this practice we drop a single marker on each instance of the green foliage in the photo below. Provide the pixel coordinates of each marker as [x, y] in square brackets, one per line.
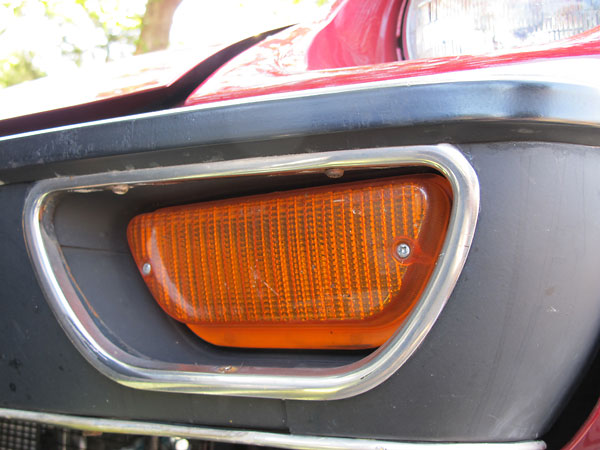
[15, 6]
[84, 31]
[17, 68]
[115, 23]
[75, 33]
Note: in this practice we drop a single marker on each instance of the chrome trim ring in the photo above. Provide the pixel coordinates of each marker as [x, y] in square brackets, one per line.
[297, 383]
[248, 437]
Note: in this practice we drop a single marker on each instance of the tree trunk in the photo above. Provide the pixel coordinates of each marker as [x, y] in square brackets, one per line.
[156, 25]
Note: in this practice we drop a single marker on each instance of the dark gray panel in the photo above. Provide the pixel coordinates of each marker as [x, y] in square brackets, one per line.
[41, 370]
[520, 324]
[497, 365]
[469, 111]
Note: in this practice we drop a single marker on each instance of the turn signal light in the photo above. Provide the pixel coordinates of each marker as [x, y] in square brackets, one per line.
[337, 266]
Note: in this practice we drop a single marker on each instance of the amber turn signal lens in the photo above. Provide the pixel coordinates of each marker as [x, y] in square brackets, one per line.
[329, 267]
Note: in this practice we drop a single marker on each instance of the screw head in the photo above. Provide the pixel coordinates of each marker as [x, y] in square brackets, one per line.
[227, 369]
[120, 189]
[403, 250]
[334, 173]
[146, 269]
[181, 444]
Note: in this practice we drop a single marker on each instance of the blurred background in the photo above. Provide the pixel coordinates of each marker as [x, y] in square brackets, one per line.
[54, 37]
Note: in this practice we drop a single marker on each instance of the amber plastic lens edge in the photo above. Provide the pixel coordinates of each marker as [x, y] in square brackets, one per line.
[308, 268]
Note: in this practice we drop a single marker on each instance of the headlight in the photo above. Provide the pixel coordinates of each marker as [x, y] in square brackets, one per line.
[456, 27]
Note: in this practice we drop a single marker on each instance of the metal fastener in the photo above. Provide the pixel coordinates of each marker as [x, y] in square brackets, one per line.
[120, 189]
[334, 173]
[403, 250]
[146, 269]
[180, 444]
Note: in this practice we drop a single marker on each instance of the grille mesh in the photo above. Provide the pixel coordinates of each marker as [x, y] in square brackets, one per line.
[23, 435]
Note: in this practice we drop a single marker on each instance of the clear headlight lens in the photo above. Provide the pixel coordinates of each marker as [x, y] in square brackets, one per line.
[456, 27]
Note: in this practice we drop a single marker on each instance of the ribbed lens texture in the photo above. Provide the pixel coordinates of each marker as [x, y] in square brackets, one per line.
[320, 255]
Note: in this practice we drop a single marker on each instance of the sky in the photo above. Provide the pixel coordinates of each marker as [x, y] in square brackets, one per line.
[196, 23]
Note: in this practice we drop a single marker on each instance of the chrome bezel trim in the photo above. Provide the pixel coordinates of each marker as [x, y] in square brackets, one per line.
[248, 437]
[298, 383]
